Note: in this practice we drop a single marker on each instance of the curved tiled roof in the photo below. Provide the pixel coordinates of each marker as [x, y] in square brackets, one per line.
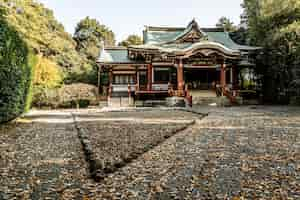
[169, 40]
[114, 55]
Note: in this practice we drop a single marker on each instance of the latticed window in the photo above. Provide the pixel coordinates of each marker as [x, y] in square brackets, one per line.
[124, 79]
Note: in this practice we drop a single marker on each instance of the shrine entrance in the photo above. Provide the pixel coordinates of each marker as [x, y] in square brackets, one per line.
[202, 79]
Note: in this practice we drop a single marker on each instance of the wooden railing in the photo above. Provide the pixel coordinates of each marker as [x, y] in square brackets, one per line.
[231, 95]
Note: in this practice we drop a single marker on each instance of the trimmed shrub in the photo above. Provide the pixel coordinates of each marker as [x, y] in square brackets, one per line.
[68, 96]
[15, 73]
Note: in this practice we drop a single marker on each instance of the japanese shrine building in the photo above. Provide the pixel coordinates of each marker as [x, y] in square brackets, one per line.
[175, 61]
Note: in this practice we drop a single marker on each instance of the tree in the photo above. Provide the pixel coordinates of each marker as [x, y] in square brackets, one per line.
[47, 74]
[240, 36]
[15, 72]
[226, 24]
[42, 33]
[89, 35]
[275, 26]
[131, 40]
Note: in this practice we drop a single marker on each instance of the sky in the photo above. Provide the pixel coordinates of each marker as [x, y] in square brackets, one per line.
[125, 17]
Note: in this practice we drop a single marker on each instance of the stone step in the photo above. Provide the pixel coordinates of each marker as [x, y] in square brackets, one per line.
[150, 103]
[120, 102]
[205, 100]
[103, 104]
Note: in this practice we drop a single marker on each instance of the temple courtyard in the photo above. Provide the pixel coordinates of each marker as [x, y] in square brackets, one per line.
[247, 152]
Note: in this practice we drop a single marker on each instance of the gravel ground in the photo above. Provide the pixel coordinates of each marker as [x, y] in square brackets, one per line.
[41, 161]
[120, 137]
[233, 153]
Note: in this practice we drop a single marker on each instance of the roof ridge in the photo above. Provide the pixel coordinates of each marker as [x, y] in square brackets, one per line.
[213, 29]
[164, 28]
[161, 28]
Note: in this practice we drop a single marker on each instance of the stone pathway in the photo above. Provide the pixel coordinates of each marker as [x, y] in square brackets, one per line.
[233, 153]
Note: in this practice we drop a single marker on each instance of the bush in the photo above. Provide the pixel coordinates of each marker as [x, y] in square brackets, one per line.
[47, 74]
[80, 103]
[32, 63]
[68, 96]
[15, 73]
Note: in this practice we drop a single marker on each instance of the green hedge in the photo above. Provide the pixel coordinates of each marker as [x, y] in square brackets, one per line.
[15, 73]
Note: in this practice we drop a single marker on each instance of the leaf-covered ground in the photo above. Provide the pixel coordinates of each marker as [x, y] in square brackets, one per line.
[112, 140]
[233, 153]
[41, 160]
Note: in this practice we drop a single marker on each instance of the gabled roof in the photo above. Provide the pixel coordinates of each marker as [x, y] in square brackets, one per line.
[192, 31]
[178, 41]
[154, 35]
[161, 35]
[115, 55]
[225, 39]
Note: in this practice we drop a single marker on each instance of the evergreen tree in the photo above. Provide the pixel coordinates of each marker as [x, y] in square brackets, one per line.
[225, 23]
[131, 40]
[275, 25]
[89, 35]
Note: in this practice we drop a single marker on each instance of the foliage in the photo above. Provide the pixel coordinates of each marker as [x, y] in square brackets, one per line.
[90, 36]
[68, 96]
[15, 72]
[240, 36]
[32, 63]
[275, 26]
[131, 40]
[225, 23]
[47, 37]
[47, 74]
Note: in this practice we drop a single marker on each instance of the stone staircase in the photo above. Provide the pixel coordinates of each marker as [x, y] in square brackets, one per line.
[205, 100]
[120, 102]
[150, 103]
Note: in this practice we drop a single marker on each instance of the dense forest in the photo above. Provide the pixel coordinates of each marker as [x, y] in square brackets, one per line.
[275, 26]
[47, 37]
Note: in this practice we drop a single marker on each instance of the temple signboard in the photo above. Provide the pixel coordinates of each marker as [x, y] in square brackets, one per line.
[202, 61]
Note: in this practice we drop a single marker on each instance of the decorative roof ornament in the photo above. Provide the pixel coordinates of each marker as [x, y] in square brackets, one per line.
[191, 34]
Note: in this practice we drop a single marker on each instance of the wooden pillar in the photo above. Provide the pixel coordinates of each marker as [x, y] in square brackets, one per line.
[223, 77]
[99, 90]
[149, 77]
[234, 77]
[99, 79]
[180, 81]
[111, 76]
[231, 75]
[137, 79]
[110, 82]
